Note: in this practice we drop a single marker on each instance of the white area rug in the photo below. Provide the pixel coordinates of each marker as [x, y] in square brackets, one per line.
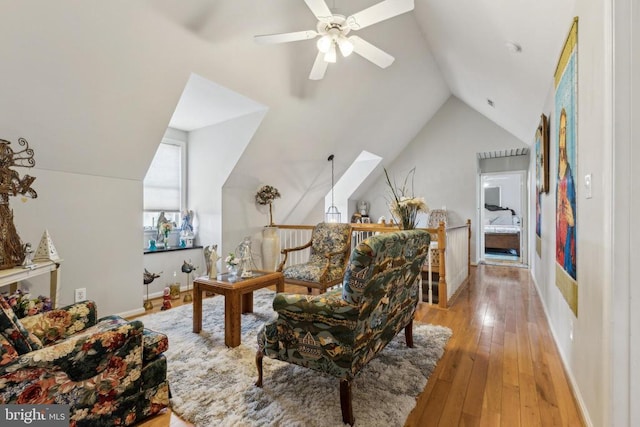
[213, 385]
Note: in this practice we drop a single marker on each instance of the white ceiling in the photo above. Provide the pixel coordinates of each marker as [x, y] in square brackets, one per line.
[89, 81]
[470, 40]
[204, 103]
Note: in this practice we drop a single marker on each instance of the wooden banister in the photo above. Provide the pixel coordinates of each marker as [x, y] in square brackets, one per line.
[442, 280]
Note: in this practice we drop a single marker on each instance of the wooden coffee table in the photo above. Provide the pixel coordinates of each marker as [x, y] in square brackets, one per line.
[238, 299]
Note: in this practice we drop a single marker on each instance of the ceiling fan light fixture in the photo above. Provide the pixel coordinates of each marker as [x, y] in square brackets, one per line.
[333, 30]
[333, 214]
[331, 56]
[346, 47]
[324, 43]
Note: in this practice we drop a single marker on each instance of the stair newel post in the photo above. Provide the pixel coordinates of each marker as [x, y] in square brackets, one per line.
[442, 281]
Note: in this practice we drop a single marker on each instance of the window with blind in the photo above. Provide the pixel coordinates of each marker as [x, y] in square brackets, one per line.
[164, 184]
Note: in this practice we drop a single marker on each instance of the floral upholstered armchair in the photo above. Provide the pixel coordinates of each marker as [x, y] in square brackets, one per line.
[110, 371]
[340, 331]
[330, 246]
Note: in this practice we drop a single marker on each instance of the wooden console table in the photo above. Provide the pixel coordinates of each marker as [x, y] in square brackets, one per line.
[12, 276]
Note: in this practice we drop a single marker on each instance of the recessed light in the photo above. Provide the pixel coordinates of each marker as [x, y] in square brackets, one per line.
[513, 47]
[490, 102]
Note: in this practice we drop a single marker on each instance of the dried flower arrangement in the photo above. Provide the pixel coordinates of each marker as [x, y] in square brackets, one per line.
[404, 205]
[265, 196]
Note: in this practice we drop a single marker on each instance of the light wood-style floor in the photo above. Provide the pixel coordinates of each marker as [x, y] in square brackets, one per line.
[500, 368]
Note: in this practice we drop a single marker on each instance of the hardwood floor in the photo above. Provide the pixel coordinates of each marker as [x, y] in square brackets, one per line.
[501, 367]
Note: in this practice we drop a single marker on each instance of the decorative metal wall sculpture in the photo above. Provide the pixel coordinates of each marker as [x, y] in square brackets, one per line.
[11, 249]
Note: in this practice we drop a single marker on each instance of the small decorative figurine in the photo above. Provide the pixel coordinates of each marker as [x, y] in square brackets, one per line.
[161, 220]
[166, 299]
[211, 257]
[147, 278]
[187, 221]
[28, 254]
[187, 268]
[246, 259]
[363, 208]
[187, 234]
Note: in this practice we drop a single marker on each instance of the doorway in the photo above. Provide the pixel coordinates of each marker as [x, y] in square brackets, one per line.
[503, 215]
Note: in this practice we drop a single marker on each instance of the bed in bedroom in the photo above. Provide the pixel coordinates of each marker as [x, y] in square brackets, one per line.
[500, 232]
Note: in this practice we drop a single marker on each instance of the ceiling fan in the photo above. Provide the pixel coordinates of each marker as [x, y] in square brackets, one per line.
[333, 30]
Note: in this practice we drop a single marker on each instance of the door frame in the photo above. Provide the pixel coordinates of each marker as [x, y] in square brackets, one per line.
[523, 208]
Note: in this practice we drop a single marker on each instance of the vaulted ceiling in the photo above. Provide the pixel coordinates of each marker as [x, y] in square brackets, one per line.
[496, 56]
[484, 52]
[94, 84]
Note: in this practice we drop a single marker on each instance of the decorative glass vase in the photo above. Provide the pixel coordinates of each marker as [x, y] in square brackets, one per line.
[166, 240]
[233, 270]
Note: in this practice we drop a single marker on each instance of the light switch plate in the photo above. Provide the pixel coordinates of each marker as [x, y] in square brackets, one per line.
[587, 186]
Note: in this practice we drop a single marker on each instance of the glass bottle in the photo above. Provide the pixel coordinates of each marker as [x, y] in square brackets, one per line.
[175, 286]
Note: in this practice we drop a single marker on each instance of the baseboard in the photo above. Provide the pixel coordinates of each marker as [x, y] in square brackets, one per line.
[131, 313]
[141, 310]
[572, 381]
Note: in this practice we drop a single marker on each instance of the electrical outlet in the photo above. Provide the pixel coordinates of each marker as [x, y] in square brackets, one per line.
[81, 294]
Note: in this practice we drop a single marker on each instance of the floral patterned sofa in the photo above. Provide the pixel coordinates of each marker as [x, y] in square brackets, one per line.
[340, 331]
[110, 371]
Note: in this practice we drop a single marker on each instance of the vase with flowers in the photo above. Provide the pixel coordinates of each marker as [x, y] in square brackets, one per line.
[165, 229]
[232, 262]
[270, 239]
[404, 205]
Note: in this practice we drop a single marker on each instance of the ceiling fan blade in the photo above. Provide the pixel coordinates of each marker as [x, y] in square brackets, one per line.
[368, 51]
[319, 67]
[285, 37]
[319, 9]
[379, 12]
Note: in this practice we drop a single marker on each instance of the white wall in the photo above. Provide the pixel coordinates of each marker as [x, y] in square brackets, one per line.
[625, 295]
[213, 153]
[94, 223]
[444, 154]
[88, 84]
[166, 263]
[581, 339]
